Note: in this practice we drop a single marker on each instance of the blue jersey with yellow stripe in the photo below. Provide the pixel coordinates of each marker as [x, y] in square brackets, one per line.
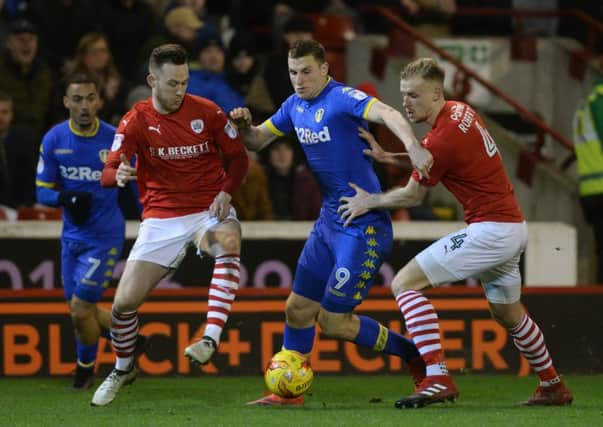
[72, 161]
[327, 128]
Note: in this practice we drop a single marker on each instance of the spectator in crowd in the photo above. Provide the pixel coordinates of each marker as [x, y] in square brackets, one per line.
[9, 11]
[128, 25]
[18, 157]
[180, 26]
[25, 77]
[93, 56]
[293, 189]
[252, 201]
[61, 24]
[588, 141]
[210, 80]
[274, 80]
[242, 63]
[430, 17]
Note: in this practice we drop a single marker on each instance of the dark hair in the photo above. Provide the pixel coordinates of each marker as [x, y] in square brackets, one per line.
[5, 97]
[81, 78]
[167, 54]
[303, 48]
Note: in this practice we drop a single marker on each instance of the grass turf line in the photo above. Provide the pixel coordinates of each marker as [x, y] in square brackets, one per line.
[334, 401]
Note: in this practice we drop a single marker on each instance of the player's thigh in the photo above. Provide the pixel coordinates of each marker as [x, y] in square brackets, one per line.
[137, 280]
[468, 252]
[410, 277]
[314, 266]
[164, 241]
[502, 283]
[358, 257]
[69, 262]
[94, 271]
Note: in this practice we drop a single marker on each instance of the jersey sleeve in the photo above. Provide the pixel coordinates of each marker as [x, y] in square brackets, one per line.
[443, 157]
[354, 102]
[47, 169]
[231, 145]
[280, 123]
[125, 141]
[47, 173]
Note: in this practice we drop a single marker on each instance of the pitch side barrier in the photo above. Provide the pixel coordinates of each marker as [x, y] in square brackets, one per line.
[30, 254]
[36, 334]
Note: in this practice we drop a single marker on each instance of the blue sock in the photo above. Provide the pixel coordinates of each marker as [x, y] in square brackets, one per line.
[376, 336]
[86, 354]
[300, 340]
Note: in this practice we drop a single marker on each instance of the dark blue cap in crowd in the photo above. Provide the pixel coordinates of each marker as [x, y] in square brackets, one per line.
[210, 40]
[22, 25]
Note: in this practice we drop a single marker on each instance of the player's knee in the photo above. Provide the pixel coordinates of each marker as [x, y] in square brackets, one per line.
[299, 314]
[230, 241]
[123, 304]
[81, 312]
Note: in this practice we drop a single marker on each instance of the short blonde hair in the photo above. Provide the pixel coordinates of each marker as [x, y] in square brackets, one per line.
[426, 68]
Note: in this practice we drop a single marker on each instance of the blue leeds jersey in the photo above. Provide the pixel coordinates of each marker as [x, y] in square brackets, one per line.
[327, 128]
[70, 161]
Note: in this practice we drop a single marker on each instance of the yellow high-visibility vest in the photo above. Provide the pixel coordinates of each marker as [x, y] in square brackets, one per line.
[588, 133]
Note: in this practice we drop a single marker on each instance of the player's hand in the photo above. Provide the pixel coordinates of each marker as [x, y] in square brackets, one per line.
[220, 207]
[77, 204]
[125, 171]
[356, 205]
[376, 152]
[241, 117]
[421, 159]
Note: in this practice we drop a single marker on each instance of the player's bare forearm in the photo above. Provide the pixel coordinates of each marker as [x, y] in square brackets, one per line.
[410, 195]
[252, 139]
[397, 198]
[393, 119]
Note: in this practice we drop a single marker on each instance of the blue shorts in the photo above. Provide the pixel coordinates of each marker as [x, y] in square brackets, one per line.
[87, 267]
[338, 265]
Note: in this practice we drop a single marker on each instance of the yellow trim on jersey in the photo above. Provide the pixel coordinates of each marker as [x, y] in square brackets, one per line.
[273, 128]
[323, 88]
[368, 107]
[92, 132]
[44, 184]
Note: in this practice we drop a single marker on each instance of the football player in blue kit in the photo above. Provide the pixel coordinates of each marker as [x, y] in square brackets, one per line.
[72, 157]
[337, 265]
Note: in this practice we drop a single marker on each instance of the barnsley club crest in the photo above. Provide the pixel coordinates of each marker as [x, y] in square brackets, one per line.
[197, 125]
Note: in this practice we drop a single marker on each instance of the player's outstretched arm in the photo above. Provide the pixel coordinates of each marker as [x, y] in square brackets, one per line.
[255, 137]
[421, 159]
[379, 154]
[363, 201]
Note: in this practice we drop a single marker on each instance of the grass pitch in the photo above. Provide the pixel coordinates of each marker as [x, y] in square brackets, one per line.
[334, 401]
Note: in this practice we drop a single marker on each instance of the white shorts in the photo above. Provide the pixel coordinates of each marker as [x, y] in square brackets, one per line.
[164, 241]
[489, 251]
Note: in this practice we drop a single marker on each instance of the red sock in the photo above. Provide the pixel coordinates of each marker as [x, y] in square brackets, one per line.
[124, 332]
[422, 324]
[529, 340]
[222, 292]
